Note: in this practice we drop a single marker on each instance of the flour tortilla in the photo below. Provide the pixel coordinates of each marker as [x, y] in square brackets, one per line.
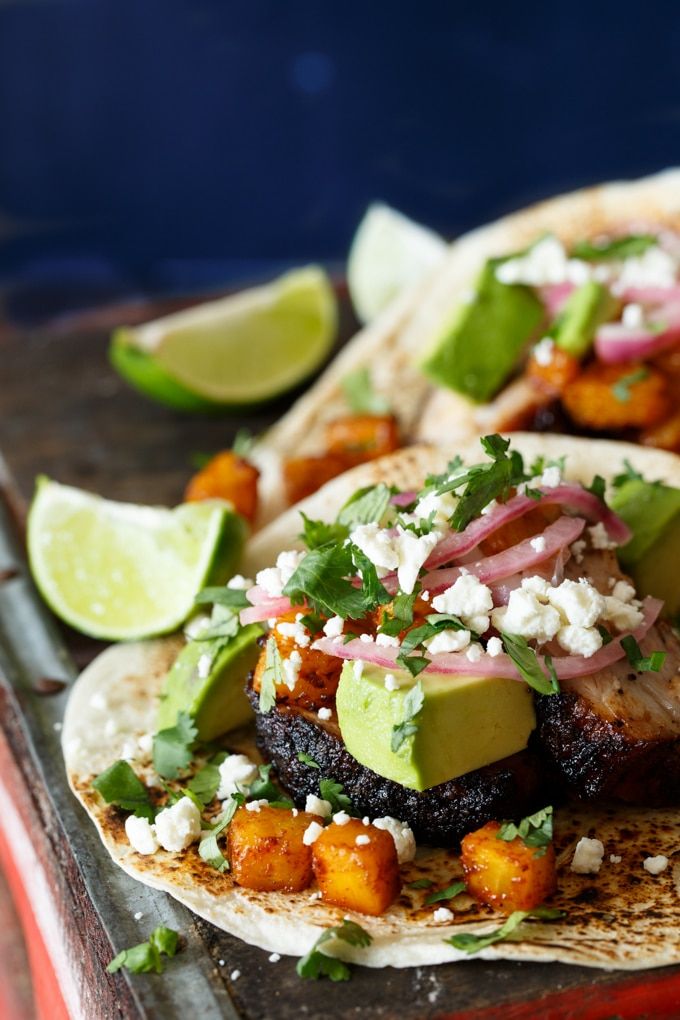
[393, 345]
[633, 921]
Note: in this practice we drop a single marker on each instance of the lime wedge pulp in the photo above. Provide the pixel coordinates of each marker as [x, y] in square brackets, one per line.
[389, 252]
[120, 571]
[239, 350]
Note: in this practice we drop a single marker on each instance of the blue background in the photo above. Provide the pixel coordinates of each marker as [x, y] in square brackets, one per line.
[155, 145]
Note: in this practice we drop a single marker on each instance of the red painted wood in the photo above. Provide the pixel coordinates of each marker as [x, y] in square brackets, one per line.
[16, 996]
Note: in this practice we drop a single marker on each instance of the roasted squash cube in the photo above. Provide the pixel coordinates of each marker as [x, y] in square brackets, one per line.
[266, 850]
[363, 436]
[506, 875]
[631, 395]
[356, 867]
[304, 475]
[318, 675]
[227, 476]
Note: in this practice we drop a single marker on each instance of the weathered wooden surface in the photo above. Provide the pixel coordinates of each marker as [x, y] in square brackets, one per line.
[65, 413]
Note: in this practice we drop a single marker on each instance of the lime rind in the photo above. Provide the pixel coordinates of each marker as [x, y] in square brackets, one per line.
[119, 571]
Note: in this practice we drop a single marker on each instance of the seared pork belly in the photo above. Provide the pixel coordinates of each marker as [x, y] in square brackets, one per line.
[616, 734]
[440, 816]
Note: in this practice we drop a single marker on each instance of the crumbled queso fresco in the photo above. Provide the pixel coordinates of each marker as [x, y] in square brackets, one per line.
[588, 856]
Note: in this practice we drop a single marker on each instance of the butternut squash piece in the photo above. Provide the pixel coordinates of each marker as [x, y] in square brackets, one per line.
[665, 436]
[506, 875]
[266, 851]
[304, 475]
[227, 476]
[363, 437]
[318, 676]
[356, 867]
[632, 395]
[554, 376]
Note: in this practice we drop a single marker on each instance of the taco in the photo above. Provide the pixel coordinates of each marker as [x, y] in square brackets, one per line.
[563, 317]
[506, 666]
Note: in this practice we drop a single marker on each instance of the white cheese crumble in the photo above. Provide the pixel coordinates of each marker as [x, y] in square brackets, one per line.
[178, 826]
[654, 268]
[366, 638]
[468, 599]
[412, 551]
[404, 552]
[577, 549]
[599, 539]
[362, 840]
[443, 915]
[203, 666]
[237, 774]
[655, 865]
[341, 818]
[528, 617]
[138, 915]
[358, 668]
[387, 640]
[318, 806]
[440, 507]
[297, 631]
[494, 647]
[448, 641]
[615, 859]
[583, 641]
[632, 316]
[255, 805]
[376, 543]
[312, 833]
[141, 835]
[538, 543]
[543, 351]
[579, 602]
[274, 579]
[404, 840]
[291, 669]
[474, 653]
[324, 714]
[240, 583]
[98, 701]
[624, 615]
[588, 856]
[145, 742]
[391, 683]
[235, 974]
[334, 627]
[274, 957]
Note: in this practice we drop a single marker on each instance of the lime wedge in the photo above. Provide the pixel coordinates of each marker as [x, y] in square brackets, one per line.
[240, 350]
[389, 252]
[120, 571]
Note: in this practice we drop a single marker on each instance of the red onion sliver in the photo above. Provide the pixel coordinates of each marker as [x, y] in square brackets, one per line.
[554, 296]
[266, 610]
[616, 342]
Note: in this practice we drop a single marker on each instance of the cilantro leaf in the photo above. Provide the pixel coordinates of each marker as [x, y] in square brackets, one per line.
[360, 394]
[527, 663]
[366, 506]
[415, 664]
[485, 482]
[470, 943]
[615, 249]
[451, 891]
[629, 474]
[230, 598]
[621, 388]
[172, 747]
[316, 964]
[244, 441]
[226, 625]
[120, 785]
[318, 533]
[321, 579]
[413, 703]
[333, 792]
[272, 674]
[208, 848]
[205, 784]
[640, 663]
[597, 487]
[421, 883]
[401, 616]
[146, 956]
[535, 830]
[306, 760]
[264, 789]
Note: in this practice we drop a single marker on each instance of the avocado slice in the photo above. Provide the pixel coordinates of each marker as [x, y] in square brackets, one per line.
[465, 723]
[477, 351]
[652, 512]
[584, 310]
[216, 703]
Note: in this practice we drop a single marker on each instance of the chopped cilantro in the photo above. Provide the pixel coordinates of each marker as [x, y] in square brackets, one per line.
[485, 482]
[360, 394]
[314, 622]
[413, 703]
[604, 634]
[401, 616]
[318, 533]
[264, 789]
[230, 598]
[366, 506]
[629, 474]
[527, 663]
[421, 883]
[205, 784]
[208, 848]
[244, 440]
[640, 663]
[172, 747]
[147, 956]
[436, 481]
[415, 664]
[470, 943]
[120, 785]
[621, 388]
[615, 249]
[333, 792]
[435, 622]
[597, 487]
[316, 964]
[272, 674]
[535, 830]
[321, 579]
[225, 625]
[306, 760]
[199, 459]
[451, 891]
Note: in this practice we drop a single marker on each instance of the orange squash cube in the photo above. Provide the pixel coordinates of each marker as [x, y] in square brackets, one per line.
[506, 875]
[227, 476]
[318, 677]
[363, 436]
[356, 867]
[266, 851]
[592, 402]
[559, 371]
[304, 475]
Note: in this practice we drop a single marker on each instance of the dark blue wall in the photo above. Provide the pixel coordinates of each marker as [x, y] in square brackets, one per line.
[163, 144]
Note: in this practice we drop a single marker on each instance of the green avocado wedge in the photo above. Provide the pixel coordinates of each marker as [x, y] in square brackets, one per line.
[652, 512]
[464, 723]
[216, 702]
[476, 352]
[584, 310]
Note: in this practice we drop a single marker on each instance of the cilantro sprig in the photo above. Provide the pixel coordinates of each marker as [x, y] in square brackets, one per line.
[205, 784]
[119, 785]
[208, 848]
[413, 703]
[526, 660]
[470, 943]
[535, 830]
[316, 964]
[230, 598]
[173, 747]
[307, 760]
[641, 663]
[449, 893]
[622, 387]
[615, 249]
[360, 393]
[272, 674]
[334, 793]
[147, 956]
[322, 580]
